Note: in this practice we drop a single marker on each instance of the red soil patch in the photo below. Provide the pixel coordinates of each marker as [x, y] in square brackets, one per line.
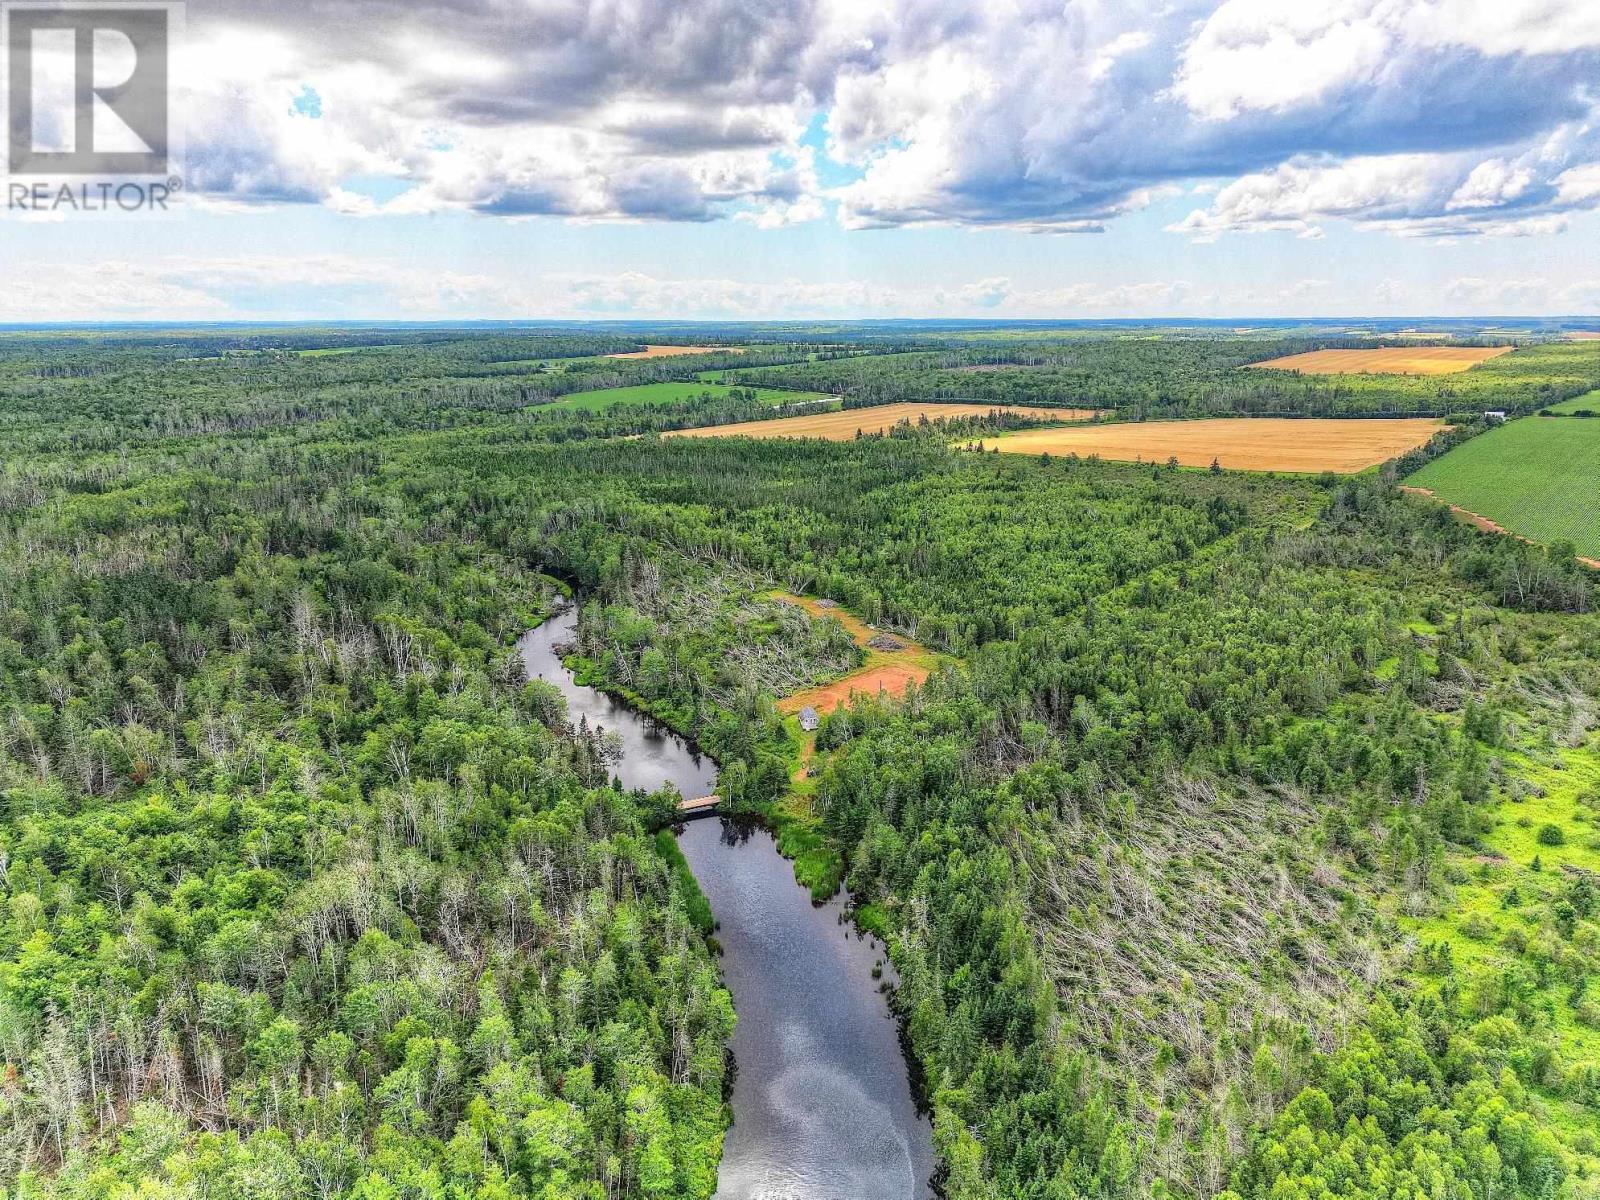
[893, 678]
[891, 671]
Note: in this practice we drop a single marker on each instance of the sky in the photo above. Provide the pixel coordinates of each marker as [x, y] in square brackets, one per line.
[755, 159]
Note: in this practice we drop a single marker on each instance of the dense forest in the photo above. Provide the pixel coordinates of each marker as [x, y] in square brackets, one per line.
[1189, 377]
[1244, 845]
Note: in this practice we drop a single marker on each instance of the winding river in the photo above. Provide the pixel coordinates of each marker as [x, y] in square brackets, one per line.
[821, 1102]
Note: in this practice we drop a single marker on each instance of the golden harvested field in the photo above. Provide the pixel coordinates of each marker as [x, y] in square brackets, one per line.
[1386, 360]
[841, 426]
[672, 351]
[1242, 443]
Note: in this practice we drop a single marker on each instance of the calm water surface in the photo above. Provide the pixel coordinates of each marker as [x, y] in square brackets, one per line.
[822, 1102]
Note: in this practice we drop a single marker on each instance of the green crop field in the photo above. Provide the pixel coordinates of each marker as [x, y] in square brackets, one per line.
[1537, 477]
[1589, 401]
[677, 393]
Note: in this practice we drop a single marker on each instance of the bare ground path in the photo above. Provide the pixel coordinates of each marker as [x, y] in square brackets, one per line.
[1484, 523]
[891, 671]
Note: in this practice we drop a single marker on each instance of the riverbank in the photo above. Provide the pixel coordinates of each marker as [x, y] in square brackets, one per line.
[819, 864]
[824, 1102]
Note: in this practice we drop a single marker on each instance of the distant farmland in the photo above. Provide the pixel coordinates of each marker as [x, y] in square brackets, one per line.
[842, 426]
[678, 393]
[655, 351]
[1242, 443]
[1386, 360]
[1538, 477]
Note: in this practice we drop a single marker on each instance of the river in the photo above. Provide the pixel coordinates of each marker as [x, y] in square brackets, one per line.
[822, 1102]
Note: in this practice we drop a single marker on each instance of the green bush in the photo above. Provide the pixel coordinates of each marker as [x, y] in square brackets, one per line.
[1552, 835]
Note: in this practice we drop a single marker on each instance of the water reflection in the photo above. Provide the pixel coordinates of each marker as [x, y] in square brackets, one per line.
[821, 1099]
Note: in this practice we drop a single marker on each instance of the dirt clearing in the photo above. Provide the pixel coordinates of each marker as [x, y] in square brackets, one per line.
[673, 351]
[891, 671]
[893, 678]
[1386, 360]
[842, 426]
[1241, 443]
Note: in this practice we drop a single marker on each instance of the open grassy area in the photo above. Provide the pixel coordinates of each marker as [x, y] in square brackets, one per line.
[657, 351]
[329, 351]
[1492, 929]
[677, 393]
[1537, 477]
[1589, 401]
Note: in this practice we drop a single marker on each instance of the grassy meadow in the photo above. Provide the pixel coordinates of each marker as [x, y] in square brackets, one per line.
[1588, 402]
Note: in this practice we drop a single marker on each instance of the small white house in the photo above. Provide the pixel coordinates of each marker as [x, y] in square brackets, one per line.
[1495, 414]
[809, 719]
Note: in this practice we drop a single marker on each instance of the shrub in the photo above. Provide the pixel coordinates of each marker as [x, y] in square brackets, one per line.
[1478, 927]
[1552, 835]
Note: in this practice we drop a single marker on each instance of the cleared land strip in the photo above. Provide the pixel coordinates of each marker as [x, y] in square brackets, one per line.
[887, 668]
[1484, 523]
[680, 393]
[842, 426]
[653, 351]
[1240, 443]
[1537, 477]
[1386, 360]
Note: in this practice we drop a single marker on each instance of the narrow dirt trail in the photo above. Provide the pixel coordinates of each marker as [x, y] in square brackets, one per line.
[1484, 523]
[886, 671]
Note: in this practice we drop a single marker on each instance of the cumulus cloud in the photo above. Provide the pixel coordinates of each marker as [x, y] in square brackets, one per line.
[1409, 195]
[1412, 116]
[627, 109]
[1037, 116]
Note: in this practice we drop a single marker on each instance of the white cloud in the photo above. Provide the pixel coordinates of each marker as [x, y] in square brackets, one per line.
[1500, 295]
[1410, 116]
[1268, 55]
[1491, 184]
[1262, 54]
[1409, 195]
[1579, 185]
[1295, 196]
[1499, 27]
[631, 110]
[227, 287]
